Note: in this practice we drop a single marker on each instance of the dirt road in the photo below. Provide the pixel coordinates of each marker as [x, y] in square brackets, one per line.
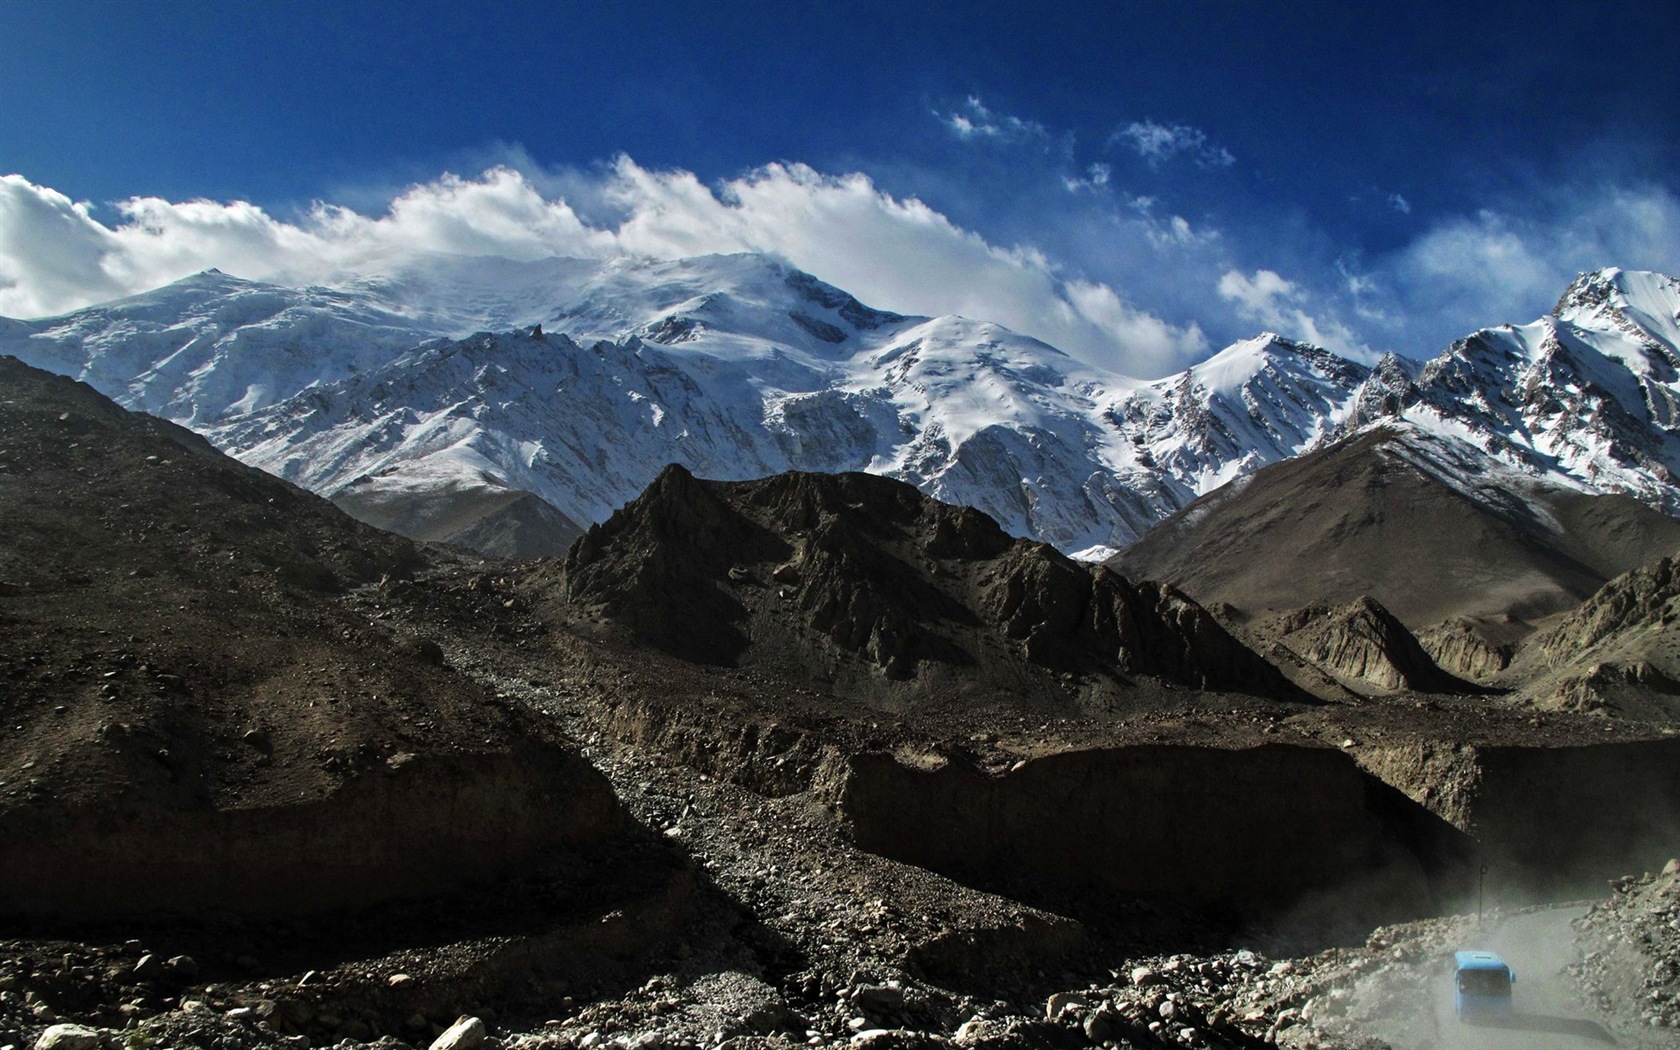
[1547, 1014]
[1411, 1008]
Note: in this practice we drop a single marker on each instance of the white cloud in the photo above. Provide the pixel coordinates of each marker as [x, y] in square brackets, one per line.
[973, 120]
[898, 254]
[1399, 204]
[1160, 347]
[1502, 265]
[1261, 296]
[1095, 178]
[1143, 263]
[51, 251]
[1158, 143]
[1176, 230]
[1278, 304]
[55, 256]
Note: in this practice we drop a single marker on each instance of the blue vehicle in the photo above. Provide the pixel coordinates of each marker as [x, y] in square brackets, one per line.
[1481, 986]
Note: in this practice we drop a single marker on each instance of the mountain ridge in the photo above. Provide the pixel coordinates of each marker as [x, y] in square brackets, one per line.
[741, 366]
[1381, 513]
[867, 584]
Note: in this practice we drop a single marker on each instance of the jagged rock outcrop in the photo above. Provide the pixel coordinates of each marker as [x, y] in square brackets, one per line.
[809, 568]
[1647, 598]
[1362, 642]
[1467, 648]
[1619, 652]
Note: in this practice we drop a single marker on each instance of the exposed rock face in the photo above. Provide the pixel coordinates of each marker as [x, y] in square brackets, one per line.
[1549, 821]
[1618, 653]
[419, 828]
[808, 568]
[1467, 648]
[194, 720]
[1362, 642]
[1646, 598]
[1252, 829]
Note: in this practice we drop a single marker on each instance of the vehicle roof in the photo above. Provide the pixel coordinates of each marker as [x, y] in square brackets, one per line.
[1479, 961]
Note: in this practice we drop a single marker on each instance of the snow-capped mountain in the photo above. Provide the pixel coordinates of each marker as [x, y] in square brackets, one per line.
[212, 346]
[734, 366]
[476, 380]
[1588, 396]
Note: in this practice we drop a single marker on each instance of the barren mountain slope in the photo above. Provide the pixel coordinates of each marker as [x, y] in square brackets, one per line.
[1360, 644]
[864, 583]
[1427, 526]
[1618, 652]
[175, 672]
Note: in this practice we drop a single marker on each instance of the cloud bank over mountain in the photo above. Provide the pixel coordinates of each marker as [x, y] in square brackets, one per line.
[1146, 310]
[899, 254]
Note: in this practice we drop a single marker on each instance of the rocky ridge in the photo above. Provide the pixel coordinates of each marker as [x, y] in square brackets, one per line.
[799, 571]
[1619, 652]
[1475, 650]
[1365, 646]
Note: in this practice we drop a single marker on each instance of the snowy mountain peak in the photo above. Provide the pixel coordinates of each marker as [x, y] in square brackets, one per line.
[1269, 353]
[1639, 304]
[1589, 289]
[1385, 393]
[390, 391]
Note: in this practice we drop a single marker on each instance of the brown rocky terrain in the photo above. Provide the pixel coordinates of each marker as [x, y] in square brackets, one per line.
[1618, 653]
[1370, 516]
[1476, 650]
[862, 585]
[948, 789]
[1361, 645]
[1631, 948]
[503, 523]
[189, 719]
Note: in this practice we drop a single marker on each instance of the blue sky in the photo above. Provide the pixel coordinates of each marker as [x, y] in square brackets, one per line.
[1138, 183]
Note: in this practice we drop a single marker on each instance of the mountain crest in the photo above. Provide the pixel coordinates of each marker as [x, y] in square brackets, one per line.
[1589, 289]
[741, 366]
[862, 579]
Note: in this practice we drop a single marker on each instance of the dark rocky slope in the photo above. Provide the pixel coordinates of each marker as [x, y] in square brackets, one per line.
[1364, 647]
[1391, 515]
[1618, 653]
[864, 583]
[192, 721]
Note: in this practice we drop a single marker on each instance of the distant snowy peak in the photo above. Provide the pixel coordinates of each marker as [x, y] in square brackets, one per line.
[1588, 396]
[210, 346]
[1253, 403]
[577, 381]
[1642, 305]
[743, 302]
